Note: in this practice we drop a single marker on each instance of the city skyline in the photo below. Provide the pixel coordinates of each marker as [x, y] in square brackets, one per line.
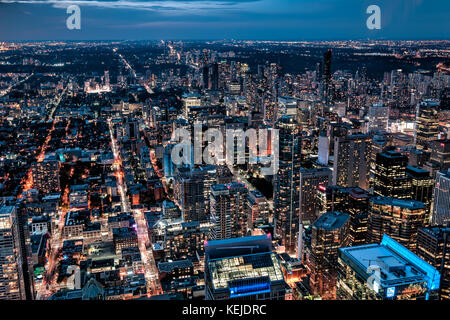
[287, 160]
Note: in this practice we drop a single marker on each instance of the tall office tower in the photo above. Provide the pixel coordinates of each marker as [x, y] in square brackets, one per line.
[385, 271]
[390, 179]
[351, 161]
[327, 74]
[427, 123]
[191, 198]
[357, 207]
[215, 76]
[378, 117]
[399, 219]
[329, 233]
[205, 77]
[310, 180]
[324, 148]
[441, 205]
[422, 185]
[107, 78]
[433, 246]
[46, 175]
[440, 154]
[354, 201]
[228, 203]
[258, 210]
[287, 183]
[132, 129]
[12, 285]
[242, 269]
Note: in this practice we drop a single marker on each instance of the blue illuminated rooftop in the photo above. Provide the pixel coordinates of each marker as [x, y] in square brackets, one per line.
[398, 265]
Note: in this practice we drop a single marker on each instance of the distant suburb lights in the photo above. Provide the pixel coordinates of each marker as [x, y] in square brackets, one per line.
[73, 22]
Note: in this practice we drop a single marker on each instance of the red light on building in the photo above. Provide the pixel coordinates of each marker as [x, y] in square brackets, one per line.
[322, 187]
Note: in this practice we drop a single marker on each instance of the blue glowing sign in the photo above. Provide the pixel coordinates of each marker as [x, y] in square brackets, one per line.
[252, 289]
[390, 292]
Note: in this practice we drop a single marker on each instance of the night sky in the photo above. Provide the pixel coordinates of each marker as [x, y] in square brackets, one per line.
[224, 19]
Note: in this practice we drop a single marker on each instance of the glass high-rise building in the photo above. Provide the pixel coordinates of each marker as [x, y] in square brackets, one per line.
[329, 233]
[287, 183]
[427, 123]
[390, 179]
[351, 161]
[433, 246]
[441, 205]
[399, 219]
[12, 285]
[228, 203]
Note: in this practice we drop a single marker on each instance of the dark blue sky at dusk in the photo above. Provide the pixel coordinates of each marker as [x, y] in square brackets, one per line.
[224, 19]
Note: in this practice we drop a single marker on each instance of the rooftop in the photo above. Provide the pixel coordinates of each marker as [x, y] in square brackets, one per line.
[225, 270]
[407, 204]
[331, 220]
[398, 265]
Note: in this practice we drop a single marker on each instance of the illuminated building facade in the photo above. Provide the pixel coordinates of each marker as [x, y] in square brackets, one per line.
[287, 183]
[243, 269]
[427, 123]
[354, 201]
[11, 276]
[351, 161]
[228, 210]
[399, 219]
[433, 246]
[385, 271]
[390, 178]
[441, 205]
[421, 187]
[329, 233]
[310, 181]
[46, 176]
[440, 154]
[378, 117]
[258, 209]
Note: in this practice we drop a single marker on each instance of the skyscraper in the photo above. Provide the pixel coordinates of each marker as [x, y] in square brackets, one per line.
[46, 175]
[329, 233]
[378, 117]
[399, 219]
[390, 179]
[228, 204]
[310, 180]
[191, 198]
[433, 246]
[427, 122]
[351, 161]
[258, 209]
[324, 148]
[440, 154]
[11, 276]
[286, 183]
[422, 185]
[327, 74]
[441, 205]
